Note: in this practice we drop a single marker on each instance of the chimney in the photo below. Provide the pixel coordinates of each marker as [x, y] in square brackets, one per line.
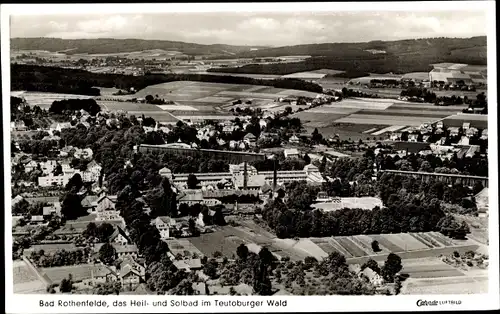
[245, 176]
[275, 177]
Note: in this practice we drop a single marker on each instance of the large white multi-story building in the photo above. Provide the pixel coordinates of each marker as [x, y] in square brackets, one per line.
[236, 176]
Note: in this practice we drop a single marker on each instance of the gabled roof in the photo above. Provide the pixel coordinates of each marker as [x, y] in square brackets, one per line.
[118, 231]
[102, 271]
[249, 136]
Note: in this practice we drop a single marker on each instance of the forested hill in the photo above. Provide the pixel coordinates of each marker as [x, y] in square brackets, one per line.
[473, 49]
[109, 45]
[373, 57]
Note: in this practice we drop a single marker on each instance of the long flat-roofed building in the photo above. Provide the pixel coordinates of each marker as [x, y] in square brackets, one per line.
[236, 176]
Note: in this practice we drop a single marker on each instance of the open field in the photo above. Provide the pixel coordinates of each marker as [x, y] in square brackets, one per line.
[44, 100]
[306, 75]
[180, 245]
[452, 285]
[387, 119]
[79, 272]
[127, 106]
[377, 116]
[26, 280]
[479, 121]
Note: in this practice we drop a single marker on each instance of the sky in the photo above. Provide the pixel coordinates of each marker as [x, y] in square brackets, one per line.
[255, 29]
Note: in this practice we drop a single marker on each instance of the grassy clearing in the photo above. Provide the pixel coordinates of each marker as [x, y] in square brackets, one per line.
[350, 246]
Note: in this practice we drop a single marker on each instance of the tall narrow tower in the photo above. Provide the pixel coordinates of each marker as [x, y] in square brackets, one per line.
[245, 176]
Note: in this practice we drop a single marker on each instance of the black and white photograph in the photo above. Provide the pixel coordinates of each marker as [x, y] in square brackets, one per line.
[249, 151]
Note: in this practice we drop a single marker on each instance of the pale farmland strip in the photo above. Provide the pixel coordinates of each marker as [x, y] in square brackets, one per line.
[430, 239]
[391, 128]
[411, 242]
[391, 247]
[421, 239]
[370, 130]
[350, 246]
[336, 245]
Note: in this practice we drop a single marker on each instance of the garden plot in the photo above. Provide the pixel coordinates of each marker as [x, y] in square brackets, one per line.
[350, 246]
[181, 245]
[406, 241]
[422, 238]
[289, 248]
[365, 242]
[388, 245]
[388, 129]
[440, 238]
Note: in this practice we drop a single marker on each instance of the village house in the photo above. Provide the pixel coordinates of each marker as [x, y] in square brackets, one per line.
[37, 220]
[105, 209]
[439, 125]
[85, 153]
[18, 126]
[375, 279]
[471, 132]
[120, 237]
[102, 274]
[454, 131]
[484, 134]
[291, 153]
[52, 209]
[52, 180]
[466, 126]
[129, 277]
[126, 250]
[165, 225]
[413, 138]
[188, 265]
[30, 166]
[205, 217]
[250, 139]
[395, 136]
[294, 139]
[48, 167]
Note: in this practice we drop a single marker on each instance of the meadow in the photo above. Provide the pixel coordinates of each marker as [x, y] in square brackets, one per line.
[373, 116]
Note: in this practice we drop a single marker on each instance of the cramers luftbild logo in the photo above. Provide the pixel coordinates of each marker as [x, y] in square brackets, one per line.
[427, 303]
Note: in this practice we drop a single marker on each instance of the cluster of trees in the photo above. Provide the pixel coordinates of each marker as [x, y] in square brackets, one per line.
[356, 93]
[73, 81]
[61, 106]
[425, 94]
[409, 205]
[99, 233]
[26, 209]
[475, 166]
[33, 117]
[60, 258]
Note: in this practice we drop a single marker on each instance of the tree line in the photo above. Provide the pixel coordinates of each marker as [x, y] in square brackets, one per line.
[73, 81]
